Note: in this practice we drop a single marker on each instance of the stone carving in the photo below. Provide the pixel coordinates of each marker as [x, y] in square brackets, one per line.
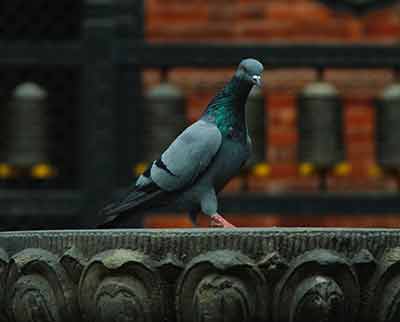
[39, 289]
[73, 262]
[121, 285]
[170, 267]
[222, 286]
[3, 280]
[364, 263]
[246, 275]
[273, 266]
[383, 304]
[319, 286]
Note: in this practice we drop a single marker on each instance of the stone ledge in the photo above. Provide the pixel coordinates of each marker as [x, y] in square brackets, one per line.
[201, 275]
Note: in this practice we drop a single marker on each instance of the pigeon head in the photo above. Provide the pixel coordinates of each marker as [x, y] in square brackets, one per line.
[250, 70]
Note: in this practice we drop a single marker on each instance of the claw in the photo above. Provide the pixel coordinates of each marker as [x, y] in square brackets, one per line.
[218, 221]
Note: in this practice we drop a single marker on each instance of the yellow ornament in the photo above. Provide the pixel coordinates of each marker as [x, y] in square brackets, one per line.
[306, 169]
[261, 170]
[6, 171]
[342, 169]
[140, 168]
[43, 171]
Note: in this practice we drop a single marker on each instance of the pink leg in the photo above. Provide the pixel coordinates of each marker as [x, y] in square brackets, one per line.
[218, 221]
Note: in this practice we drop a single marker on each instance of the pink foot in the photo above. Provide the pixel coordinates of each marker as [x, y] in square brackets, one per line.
[218, 221]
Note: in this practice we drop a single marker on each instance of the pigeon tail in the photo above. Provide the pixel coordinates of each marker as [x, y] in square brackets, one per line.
[136, 200]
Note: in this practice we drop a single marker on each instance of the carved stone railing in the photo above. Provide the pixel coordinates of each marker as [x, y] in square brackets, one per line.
[200, 275]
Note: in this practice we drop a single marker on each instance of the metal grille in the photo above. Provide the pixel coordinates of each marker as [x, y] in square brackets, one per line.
[40, 19]
[62, 87]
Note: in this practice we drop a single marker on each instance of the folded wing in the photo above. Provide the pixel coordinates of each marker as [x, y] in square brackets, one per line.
[177, 168]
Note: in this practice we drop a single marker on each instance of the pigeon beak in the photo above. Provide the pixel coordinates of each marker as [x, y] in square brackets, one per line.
[256, 79]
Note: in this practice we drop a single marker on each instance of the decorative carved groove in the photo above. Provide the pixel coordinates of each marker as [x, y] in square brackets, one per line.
[383, 304]
[222, 286]
[207, 275]
[4, 260]
[39, 289]
[121, 285]
[319, 286]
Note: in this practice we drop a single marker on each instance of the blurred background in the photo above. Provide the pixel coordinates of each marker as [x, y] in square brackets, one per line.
[91, 91]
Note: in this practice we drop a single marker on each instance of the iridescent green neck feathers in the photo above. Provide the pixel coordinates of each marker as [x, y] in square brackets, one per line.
[227, 108]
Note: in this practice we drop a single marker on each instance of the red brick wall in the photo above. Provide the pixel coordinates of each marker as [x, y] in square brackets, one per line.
[260, 20]
[284, 21]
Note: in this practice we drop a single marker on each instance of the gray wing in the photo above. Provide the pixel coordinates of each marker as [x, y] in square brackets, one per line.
[187, 157]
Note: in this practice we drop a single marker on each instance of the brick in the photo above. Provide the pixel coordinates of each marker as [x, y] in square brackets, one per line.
[263, 31]
[284, 170]
[358, 102]
[193, 114]
[387, 32]
[282, 137]
[177, 13]
[383, 25]
[284, 117]
[362, 118]
[359, 137]
[359, 132]
[359, 120]
[284, 184]
[251, 11]
[188, 32]
[167, 3]
[287, 81]
[199, 100]
[321, 32]
[278, 11]
[275, 101]
[298, 11]
[255, 20]
[252, 2]
[201, 80]
[222, 12]
[282, 154]
[351, 26]
[358, 184]
[359, 84]
[234, 185]
[360, 151]
[151, 77]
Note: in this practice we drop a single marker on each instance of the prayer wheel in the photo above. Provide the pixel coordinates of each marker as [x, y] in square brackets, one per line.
[320, 126]
[164, 118]
[27, 141]
[256, 120]
[388, 127]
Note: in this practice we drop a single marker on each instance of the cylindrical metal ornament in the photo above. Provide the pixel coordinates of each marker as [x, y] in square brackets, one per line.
[164, 118]
[27, 140]
[388, 127]
[256, 120]
[320, 126]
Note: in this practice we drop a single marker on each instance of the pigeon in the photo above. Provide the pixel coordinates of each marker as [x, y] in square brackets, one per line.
[200, 161]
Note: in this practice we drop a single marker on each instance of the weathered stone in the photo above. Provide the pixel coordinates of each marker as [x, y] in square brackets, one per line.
[280, 275]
